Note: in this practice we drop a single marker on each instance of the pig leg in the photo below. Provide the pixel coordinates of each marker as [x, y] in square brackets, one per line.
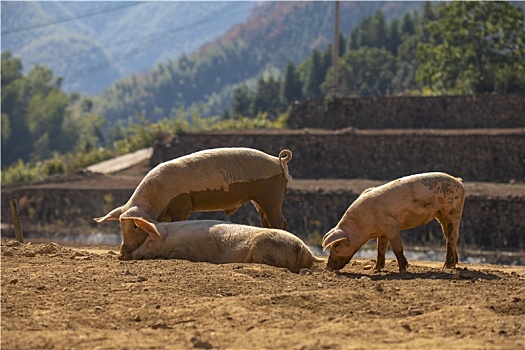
[269, 207]
[450, 227]
[397, 247]
[249, 257]
[262, 215]
[179, 209]
[382, 245]
[269, 199]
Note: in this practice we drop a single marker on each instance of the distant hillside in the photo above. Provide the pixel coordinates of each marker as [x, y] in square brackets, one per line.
[275, 33]
[93, 43]
[290, 30]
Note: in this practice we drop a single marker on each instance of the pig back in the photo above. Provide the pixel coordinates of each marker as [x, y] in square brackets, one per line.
[226, 166]
[208, 170]
[205, 241]
[413, 200]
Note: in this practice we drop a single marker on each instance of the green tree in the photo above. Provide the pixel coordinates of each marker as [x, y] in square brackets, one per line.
[393, 38]
[16, 138]
[367, 72]
[474, 47]
[241, 101]
[428, 15]
[408, 26]
[82, 127]
[428, 12]
[378, 30]
[316, 76]
[353, 41]
[292, 88]
[364, 33]
[342, 45]
[326, 59]
[11, 68]
[267, 97]
[46, 109]
[39, 119]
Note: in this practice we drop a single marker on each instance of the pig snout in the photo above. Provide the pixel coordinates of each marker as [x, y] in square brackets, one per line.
[336, 262]
[126, 257]
[132, 239]
[125, 253]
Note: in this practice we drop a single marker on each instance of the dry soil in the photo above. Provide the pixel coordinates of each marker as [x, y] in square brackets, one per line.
[58, 297]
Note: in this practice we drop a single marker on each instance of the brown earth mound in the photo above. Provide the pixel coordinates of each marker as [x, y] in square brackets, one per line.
[57, 297]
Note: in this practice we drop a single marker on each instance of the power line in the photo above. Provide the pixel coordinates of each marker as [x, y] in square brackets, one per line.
[153, 38]
[165, 34]
[90, 14]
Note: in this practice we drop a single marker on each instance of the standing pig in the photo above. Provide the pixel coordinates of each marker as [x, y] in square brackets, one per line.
[209, 180]
[219, 242]
[381, 212]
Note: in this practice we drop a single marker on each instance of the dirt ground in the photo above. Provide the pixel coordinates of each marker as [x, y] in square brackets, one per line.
[58, 297]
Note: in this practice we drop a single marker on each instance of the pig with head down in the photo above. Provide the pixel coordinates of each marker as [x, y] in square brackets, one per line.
[219, 242]
[209, 180]
[382, 212]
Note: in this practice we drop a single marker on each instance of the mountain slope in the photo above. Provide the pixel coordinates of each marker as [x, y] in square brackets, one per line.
[118, 37]
[275, 33]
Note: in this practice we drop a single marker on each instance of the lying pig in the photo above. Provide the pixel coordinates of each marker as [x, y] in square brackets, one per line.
[220, 243]
[209, 180]
[381, 212]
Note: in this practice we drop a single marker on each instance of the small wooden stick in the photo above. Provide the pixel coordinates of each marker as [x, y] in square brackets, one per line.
[16, 220]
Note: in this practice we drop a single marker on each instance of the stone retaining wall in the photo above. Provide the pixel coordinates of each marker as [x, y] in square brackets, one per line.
[491, 223]
[405, 112]
[474, 155]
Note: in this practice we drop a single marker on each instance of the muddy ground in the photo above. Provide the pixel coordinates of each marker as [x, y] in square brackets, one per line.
[58, 297]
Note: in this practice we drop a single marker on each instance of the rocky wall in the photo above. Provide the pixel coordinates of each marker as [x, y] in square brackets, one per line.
[489, 223]
[474, 155]
[406, 112]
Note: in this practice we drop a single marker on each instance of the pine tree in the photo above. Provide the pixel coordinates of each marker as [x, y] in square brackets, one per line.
[342, 45]
[407, 25]
[316, 76]
[378, 28]
[267, 97]
[292, 87]
[241, 101]
[393, 38]
[353, 40]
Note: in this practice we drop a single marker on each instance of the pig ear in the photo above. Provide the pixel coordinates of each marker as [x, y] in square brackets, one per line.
[112, 215]
[147, 226]
[333, 236]
[331, 243]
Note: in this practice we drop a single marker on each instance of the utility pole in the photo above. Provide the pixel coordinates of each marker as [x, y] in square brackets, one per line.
[335, 47]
